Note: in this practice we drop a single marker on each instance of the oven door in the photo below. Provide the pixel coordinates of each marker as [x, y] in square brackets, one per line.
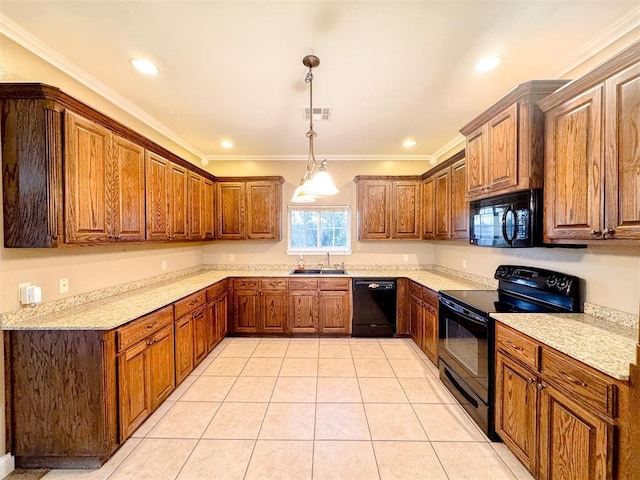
[464, 345]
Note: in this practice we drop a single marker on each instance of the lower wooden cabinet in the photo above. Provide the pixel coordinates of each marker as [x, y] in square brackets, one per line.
[334, 306]
[260, 305]
[303, 306]
[217, 313]
[557, 415]
[423, 319]
[184, 347]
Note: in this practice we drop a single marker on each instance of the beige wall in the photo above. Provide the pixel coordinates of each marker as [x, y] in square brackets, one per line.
[343, 172]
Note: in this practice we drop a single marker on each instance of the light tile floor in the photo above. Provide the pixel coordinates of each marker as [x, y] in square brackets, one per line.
[295, 409]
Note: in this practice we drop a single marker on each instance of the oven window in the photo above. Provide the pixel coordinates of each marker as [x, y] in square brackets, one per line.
[462, 344]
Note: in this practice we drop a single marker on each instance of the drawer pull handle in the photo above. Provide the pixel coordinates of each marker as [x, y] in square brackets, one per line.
[151, 325]
[197, 315]
[573, 380]
[513, 345]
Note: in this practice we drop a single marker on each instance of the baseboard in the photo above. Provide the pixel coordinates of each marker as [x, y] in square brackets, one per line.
[7, 465]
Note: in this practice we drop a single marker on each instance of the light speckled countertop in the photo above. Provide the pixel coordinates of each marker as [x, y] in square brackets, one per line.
[580, 336]
[116, 310]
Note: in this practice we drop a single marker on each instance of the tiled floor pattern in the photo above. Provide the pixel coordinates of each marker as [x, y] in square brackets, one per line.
[272, 408]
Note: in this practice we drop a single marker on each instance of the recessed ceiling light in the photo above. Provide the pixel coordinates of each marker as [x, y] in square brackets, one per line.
[488, 63]
[226, 144]
[144, 66]
[409, 143]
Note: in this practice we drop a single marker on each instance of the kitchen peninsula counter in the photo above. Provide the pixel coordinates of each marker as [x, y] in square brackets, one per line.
[116, 310]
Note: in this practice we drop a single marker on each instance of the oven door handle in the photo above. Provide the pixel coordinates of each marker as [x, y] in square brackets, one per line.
[505, 235]
[460, 310]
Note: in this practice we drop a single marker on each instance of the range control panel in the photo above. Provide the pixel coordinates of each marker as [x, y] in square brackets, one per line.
[538, 278]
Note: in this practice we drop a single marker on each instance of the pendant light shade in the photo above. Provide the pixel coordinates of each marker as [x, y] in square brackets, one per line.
[313, 184]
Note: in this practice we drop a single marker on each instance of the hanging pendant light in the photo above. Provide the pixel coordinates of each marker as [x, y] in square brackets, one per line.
[313, 184]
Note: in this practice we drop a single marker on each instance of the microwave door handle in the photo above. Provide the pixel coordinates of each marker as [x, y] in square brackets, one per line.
[504, 225]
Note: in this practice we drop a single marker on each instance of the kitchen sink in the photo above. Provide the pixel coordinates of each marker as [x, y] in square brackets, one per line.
[319, 271]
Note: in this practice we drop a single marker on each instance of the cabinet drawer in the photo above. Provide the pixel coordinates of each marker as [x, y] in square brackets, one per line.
[334, 283]
[586, 384]
[139, 329]
[305, 284]
[415, 289]
[187, 304]
[216, 290]
[430, 296]
[273, 283]
[246, 284]
[518, 346]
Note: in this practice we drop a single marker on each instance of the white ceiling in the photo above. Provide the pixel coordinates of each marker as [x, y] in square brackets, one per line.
[390, 70]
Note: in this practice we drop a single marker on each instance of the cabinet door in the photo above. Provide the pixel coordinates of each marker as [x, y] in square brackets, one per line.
[202, 328]
[263, 210]
[516, 409]
[246, 311]
[502, 142]
[443, 204]
[178, 226]
[622, 153]
[374, 209]
[134, 386]
[430, 332]
[208, 209]
[157, 192]
[574, 443]
[87, 169]
[195, 205]
[274, 311]
[162, 367]
[303, 311]
[334, 312]
[415, 319]
[573, 192]
[222, 312]
[428, 208]
[230, 211]
[459, 205]
[405, 217]
[184, 347]
[128, 208]
[476, 152]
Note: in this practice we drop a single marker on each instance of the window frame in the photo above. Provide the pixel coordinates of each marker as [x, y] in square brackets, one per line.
[319, 250]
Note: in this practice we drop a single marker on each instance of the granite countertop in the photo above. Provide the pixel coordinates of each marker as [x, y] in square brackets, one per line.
[610, 350]
[113, 311]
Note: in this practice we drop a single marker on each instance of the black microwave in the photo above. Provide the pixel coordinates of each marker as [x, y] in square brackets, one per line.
[513, 220]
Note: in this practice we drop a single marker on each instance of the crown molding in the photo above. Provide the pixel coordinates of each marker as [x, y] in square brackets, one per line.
[458, 141]
[27, 40]
[624, 25]
[303, 158]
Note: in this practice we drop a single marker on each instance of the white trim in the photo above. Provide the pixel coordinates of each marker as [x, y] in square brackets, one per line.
[459, 140]
[28, 40]
[330, 158]
[321, 252]
[7, 465]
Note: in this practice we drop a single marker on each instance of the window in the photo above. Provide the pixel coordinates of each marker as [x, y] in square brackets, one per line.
[319, 229]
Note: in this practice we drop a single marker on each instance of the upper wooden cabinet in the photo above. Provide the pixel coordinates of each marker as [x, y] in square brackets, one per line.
[73, 176]
[249, 208]
[388, 207]
[444, 206]
[505, 143]
[592, 179]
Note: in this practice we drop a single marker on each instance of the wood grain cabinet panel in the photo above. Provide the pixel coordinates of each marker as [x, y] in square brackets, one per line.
[208, 209]
[388, 207]
[303, 311]
[134, 380]
[443, 204]
[430, 331]
[195, 204]
[249, 208]
[162, 366]
[157, 196]
[184, 347]
[178, 211]
[260, 306]
[274, 306]
[428, 208]
[459, 205]
[505, 143]
[592, 178]
[334, 312]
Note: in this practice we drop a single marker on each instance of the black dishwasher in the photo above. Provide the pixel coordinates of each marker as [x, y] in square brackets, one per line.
[374, 307]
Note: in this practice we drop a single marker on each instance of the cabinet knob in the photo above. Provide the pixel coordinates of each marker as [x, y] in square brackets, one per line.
[541, 386]
[596, 232]
[609, 231]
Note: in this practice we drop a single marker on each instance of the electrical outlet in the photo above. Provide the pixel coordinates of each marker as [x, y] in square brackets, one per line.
[464, 263]
[405, 258]
[164, 265]
[63, 285]
[232, 258]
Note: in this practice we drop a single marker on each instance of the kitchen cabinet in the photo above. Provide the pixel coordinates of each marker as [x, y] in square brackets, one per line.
[505, 143]
[423, 319]
[303, 305]
[146, 367]
[249, 208]
[195, 190]
[217, 304]
[445, 208]
[591, 176]
[208, 209]
[259, 305]
[388, 207]
[557, 415]
[334, 306]
[73, 176]
[190, 333]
